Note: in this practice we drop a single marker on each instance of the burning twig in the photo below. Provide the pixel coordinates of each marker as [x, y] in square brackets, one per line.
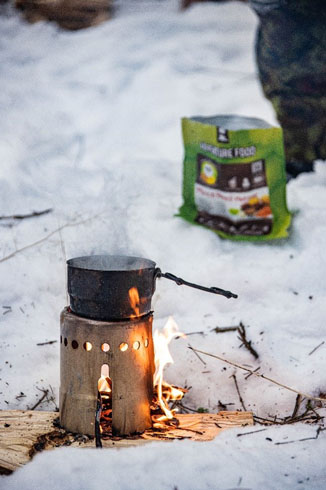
[314, 350]
[24, 216]
[245, 342]
[38, 242]
[238, 391]
[47, 343]
[255, 373]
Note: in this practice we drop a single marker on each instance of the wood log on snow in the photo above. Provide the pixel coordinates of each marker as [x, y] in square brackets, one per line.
[24, 433]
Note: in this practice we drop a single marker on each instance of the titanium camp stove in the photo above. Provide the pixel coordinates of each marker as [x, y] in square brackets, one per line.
[107, 351]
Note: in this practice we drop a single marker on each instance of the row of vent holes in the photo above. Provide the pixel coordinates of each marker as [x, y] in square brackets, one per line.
[104, 347]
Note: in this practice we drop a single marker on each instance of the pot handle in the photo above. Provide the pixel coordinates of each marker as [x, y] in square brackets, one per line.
[179, 281]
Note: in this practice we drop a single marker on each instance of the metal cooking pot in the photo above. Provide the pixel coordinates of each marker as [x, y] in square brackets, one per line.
[100, 286]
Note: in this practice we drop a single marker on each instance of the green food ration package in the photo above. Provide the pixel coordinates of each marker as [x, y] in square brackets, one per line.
[234, 179]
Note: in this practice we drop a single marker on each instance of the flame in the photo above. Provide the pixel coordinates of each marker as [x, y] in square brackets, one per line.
[134, 301]
[164, 391]
[104, 385]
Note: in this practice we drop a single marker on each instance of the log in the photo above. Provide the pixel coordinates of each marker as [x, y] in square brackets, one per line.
[69, 14]
[24, 433]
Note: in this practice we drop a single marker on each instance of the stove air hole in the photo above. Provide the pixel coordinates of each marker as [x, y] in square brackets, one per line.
[74, 344]
[123, 346]
[136, 345]
[87, 346]
[65, 342]
[105, 348]
[146, 342]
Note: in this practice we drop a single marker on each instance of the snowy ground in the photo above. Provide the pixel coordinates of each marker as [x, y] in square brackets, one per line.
[90, 126]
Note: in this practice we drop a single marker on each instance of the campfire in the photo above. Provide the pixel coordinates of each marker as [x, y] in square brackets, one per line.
[111, 366]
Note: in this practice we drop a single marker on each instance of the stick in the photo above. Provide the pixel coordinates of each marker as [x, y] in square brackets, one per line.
[98, 442]
[298, 401]
[38, 242]
[224, 329]
[30, 215]
[196, 354]
[252, 432]
[64, 256]
[314, 350]
[245, 342]
[47, 343]
[239, 394]
[318, 431]
[304, 395]
[45, 394]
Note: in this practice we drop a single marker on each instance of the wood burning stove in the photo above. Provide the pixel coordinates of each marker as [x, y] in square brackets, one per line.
[107, 351]
[126, 348]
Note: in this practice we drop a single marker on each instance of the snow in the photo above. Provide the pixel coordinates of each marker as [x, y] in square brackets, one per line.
[229, 462]
[90, 127]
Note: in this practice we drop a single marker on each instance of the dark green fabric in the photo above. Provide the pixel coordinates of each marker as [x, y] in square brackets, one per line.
[291, 58]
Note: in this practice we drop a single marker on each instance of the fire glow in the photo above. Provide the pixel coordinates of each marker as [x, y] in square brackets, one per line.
[134, 301]
[164, 393]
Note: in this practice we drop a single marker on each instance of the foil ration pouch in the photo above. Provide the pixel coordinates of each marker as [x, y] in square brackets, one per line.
[234, 179]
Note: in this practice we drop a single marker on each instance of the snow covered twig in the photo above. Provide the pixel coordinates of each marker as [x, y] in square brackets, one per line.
[255, 373]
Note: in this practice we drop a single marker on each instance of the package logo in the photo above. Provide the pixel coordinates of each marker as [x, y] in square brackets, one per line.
[208, 172]
[222, 135]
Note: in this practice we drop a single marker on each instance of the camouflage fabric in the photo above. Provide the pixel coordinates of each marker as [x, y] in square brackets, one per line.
[291, 58]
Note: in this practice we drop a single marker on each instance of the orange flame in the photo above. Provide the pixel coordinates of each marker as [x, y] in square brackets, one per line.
[165, 392]
[134, 301]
